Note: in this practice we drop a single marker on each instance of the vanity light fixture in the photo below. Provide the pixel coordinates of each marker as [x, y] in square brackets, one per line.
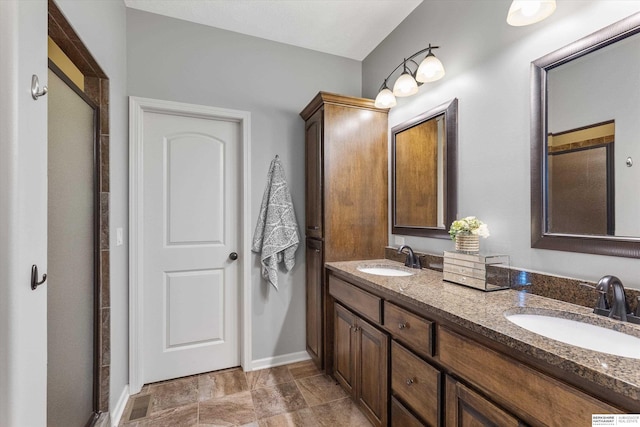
[429, 70]
[527, 12]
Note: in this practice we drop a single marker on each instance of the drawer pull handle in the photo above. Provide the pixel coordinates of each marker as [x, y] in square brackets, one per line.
[410, 381]
[402, 325]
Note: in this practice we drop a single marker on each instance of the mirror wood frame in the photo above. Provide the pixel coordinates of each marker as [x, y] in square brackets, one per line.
[450, 111]
[540, 238]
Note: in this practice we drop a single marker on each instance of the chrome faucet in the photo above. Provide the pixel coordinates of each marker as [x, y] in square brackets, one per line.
[411, 260]
[619, 308]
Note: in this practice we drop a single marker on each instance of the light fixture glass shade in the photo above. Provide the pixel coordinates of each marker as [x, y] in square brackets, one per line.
[430, 69]
[527, 12]
[385, 99]
[406, 85]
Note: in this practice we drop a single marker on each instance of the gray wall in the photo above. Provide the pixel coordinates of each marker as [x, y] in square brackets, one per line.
[487, 65]
[99, 24]
[175, 60]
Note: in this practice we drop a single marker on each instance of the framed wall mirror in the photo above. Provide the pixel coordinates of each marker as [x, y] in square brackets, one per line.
[424, 172]
[585, 136]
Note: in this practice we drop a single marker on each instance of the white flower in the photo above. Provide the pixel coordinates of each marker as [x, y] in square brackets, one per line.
[483, 231]
[468, 225]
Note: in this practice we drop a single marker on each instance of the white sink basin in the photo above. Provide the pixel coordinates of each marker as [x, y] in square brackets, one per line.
[579, 334]
[385, 271]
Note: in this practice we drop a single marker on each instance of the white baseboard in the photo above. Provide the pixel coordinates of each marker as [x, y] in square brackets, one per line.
[272, 362]
[118, 411]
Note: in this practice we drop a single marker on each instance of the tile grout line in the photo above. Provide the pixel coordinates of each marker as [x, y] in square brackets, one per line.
[198, 399]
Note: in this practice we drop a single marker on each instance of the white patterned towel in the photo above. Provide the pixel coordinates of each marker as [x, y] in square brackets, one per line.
[276, 234]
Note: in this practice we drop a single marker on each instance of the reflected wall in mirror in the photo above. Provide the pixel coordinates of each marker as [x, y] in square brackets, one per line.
[424, 172]
[585, 102]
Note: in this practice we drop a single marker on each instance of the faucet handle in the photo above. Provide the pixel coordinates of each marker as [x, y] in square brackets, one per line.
[603, 301]
[603, 289]
[417, 263]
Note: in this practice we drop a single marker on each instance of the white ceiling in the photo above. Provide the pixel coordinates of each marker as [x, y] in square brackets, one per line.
[349, 28]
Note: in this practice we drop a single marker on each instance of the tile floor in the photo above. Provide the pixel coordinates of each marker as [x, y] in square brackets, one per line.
[291, 395]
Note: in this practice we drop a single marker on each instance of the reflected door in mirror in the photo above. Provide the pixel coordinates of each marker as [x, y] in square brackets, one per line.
[580, 173]
[418, 168]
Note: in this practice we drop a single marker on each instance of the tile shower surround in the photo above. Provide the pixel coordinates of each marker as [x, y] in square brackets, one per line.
[579, 292]
[291, 395]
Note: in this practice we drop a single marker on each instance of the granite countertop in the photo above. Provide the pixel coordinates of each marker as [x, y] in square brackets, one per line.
[484, 313]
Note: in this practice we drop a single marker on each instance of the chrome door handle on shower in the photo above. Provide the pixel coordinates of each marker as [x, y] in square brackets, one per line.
[34, 277]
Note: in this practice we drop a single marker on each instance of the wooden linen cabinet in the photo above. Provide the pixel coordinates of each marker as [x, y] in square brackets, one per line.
[346, 144]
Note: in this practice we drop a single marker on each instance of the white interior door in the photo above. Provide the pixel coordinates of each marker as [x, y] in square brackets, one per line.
[190, 220]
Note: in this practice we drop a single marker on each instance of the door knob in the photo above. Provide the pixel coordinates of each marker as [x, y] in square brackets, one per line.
[233, 256]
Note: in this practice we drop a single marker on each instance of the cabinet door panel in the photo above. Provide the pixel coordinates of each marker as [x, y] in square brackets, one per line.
[465, 408]
[401, 417]
[314, 176]
[356, 182]
[372, 391]
[344, 348]
[314, 301]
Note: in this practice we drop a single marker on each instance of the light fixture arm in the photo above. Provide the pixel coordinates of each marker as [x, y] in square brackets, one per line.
[430, 69]
[410, 58]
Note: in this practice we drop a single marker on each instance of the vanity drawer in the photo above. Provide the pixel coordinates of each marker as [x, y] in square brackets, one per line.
[531, 395]
[412, 330]
[369, 306]
[401, 417]
[416, 383]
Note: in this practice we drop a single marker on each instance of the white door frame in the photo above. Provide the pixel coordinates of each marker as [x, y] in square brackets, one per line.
[23, 214]
[137, 107]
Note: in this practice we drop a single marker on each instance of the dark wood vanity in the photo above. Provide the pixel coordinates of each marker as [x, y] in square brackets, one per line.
[422, 352]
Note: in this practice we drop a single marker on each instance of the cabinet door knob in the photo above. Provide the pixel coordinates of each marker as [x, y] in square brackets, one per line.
[402, 325]
[410, 381]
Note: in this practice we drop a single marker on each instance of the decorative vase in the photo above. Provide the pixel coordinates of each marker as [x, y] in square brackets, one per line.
[469, 243]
